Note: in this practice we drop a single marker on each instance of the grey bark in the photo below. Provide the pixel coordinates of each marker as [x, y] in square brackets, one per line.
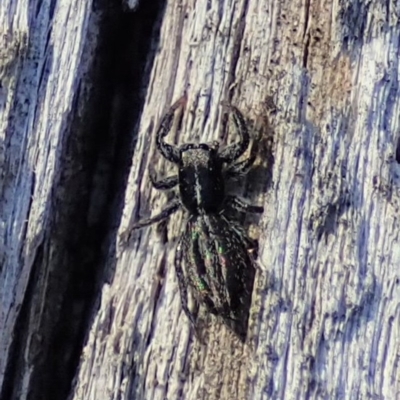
[325, 316]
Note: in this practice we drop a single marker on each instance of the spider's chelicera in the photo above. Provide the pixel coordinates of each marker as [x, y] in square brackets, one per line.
[214, 253]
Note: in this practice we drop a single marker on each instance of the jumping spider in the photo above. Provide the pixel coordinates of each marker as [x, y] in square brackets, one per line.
[214, 248]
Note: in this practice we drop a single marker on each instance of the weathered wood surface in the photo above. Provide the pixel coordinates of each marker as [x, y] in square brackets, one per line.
[41, 62]
[329, 325]
[325, 322]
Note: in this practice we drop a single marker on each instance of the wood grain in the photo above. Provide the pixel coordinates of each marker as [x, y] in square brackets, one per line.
[325, 316]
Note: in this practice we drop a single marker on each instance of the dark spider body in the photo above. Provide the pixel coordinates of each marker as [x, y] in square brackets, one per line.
[201, 183]
[215, 249]
[220, 271]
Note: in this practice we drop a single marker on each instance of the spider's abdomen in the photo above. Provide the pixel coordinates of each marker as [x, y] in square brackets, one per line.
[220, 268]
[201, 182]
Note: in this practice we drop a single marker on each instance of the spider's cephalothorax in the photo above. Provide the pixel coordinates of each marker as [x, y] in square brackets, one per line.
[201, 183]
[214, 249]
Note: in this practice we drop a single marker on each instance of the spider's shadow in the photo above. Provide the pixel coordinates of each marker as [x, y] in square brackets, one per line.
[259, 179]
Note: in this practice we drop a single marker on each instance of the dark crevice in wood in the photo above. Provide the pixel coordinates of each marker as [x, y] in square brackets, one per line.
[86, 202]
[15, 360]
[306, 52]
[135, 46]
[306, 18]
[398, 151]
[132, 78]
[306, 34]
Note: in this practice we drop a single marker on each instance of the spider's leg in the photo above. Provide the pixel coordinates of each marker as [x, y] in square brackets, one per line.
[234, 151]
[168, 210]
[242, 167]
[171, 153]
[242, 205]
[250, 243]
[182, 282]
[165, 183]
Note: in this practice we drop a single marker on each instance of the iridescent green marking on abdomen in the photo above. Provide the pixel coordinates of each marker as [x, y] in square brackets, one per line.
[201, 285]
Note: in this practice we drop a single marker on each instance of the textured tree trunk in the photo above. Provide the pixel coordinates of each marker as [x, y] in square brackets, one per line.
[318, 79]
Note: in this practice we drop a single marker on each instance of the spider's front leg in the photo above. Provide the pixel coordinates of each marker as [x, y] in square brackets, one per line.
[241, 168]
[163, 184]
[171, 153]
[169, 210]
[234, 151]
